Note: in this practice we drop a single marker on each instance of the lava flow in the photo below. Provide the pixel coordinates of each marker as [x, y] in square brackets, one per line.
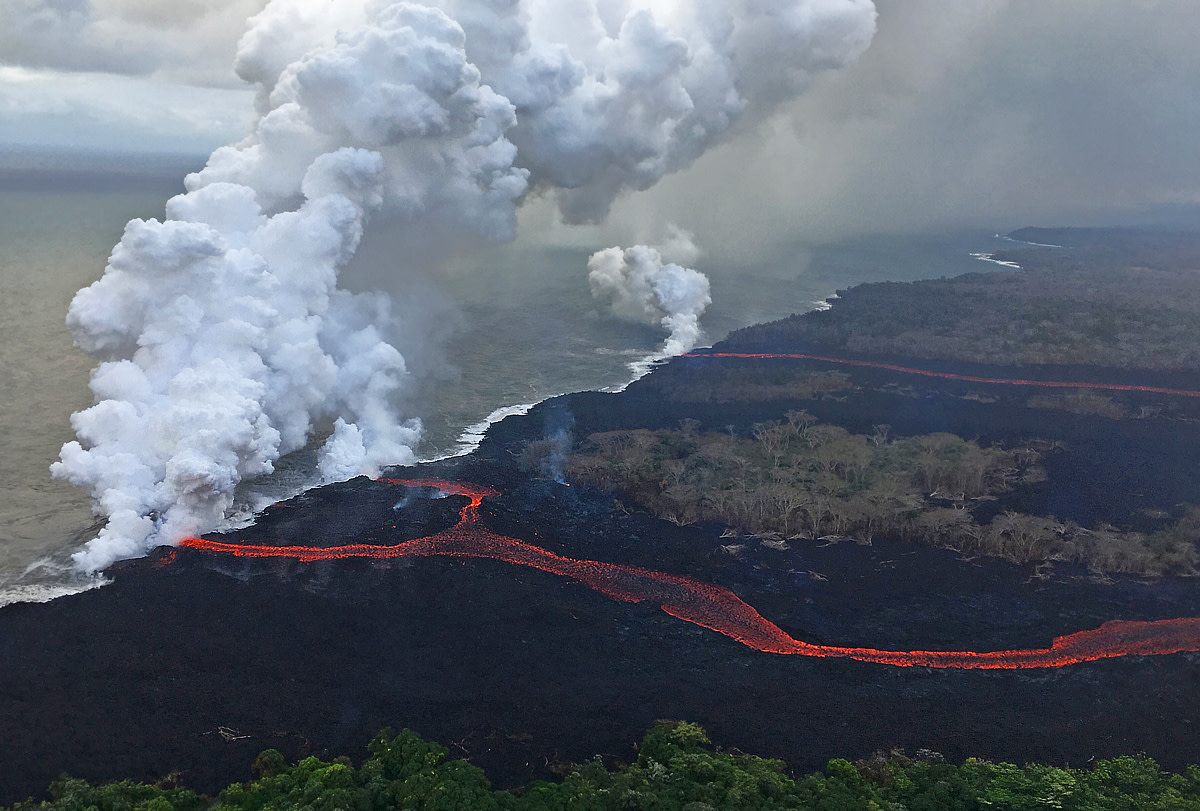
[908, 370]
[714, 607]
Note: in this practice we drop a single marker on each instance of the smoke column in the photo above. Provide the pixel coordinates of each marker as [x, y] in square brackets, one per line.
[642, 287]
[223, 337]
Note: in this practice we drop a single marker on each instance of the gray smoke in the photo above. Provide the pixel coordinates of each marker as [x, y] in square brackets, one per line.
[225, 339]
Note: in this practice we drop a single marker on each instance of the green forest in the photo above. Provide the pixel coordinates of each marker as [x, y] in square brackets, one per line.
[677, 769]
[799, 479]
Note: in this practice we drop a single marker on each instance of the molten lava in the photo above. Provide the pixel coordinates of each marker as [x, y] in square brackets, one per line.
[908, 370]
[715, 607]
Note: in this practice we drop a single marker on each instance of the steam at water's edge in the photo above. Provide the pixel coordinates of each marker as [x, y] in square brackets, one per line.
[224, 338]
[641, 286]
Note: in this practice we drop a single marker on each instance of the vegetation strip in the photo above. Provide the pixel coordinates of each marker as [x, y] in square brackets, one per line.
[800, 479]
[677, 769]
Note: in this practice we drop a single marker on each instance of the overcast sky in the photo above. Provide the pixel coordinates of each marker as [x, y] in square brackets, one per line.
[962, 112]
[997, 112]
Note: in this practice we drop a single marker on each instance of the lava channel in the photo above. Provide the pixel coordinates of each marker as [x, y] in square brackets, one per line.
[908, 370]
[715, 607]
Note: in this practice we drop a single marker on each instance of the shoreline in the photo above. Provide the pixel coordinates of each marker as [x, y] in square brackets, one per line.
[71, 581]
[472, 437]
[50, 543]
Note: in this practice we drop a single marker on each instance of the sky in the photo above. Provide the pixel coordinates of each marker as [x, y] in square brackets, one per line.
[965, 113]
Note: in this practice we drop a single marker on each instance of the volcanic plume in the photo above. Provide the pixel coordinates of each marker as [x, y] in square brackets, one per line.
[641, 286]
[224, 339]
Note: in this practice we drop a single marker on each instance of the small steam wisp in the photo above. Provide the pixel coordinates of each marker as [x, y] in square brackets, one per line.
[224, 339]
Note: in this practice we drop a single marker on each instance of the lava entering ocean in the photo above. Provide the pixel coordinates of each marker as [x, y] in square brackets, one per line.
[908, 370]
[714, 607]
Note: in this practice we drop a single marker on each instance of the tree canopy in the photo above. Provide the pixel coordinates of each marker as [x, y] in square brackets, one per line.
[677, 769]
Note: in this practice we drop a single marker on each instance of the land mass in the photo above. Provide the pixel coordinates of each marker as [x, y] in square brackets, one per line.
[192, 660]
[1120, 298]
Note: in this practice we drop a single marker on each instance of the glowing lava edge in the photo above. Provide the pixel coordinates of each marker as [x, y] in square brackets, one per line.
[715, 607]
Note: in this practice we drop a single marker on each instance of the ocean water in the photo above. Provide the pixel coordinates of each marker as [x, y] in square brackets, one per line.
[52, 242]
[508, 328]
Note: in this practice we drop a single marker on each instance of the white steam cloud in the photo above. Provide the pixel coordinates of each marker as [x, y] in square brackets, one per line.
[224, 337]
[639, 285]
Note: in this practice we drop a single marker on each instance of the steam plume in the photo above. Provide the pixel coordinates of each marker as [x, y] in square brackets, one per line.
[641, 287]
[224, 338]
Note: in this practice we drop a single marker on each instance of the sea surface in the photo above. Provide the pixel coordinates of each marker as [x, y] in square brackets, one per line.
[506, 330]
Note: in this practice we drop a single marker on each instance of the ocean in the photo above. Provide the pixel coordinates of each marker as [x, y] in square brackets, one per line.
[507, 328]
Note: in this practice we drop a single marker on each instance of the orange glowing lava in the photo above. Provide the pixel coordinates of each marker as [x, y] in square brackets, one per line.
[715, 607]
[908, 370]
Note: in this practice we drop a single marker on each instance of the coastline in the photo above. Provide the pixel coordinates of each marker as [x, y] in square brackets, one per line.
[64, 580]
[530, 302]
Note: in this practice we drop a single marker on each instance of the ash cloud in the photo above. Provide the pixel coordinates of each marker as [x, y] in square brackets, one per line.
[225, 338]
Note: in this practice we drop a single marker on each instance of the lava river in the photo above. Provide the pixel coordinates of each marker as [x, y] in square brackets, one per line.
[715, 607]
[909, 370]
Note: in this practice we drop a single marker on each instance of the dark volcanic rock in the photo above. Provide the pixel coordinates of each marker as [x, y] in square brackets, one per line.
[197, 663]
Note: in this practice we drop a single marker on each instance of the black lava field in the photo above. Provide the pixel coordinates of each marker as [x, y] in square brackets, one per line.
[524, 623]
